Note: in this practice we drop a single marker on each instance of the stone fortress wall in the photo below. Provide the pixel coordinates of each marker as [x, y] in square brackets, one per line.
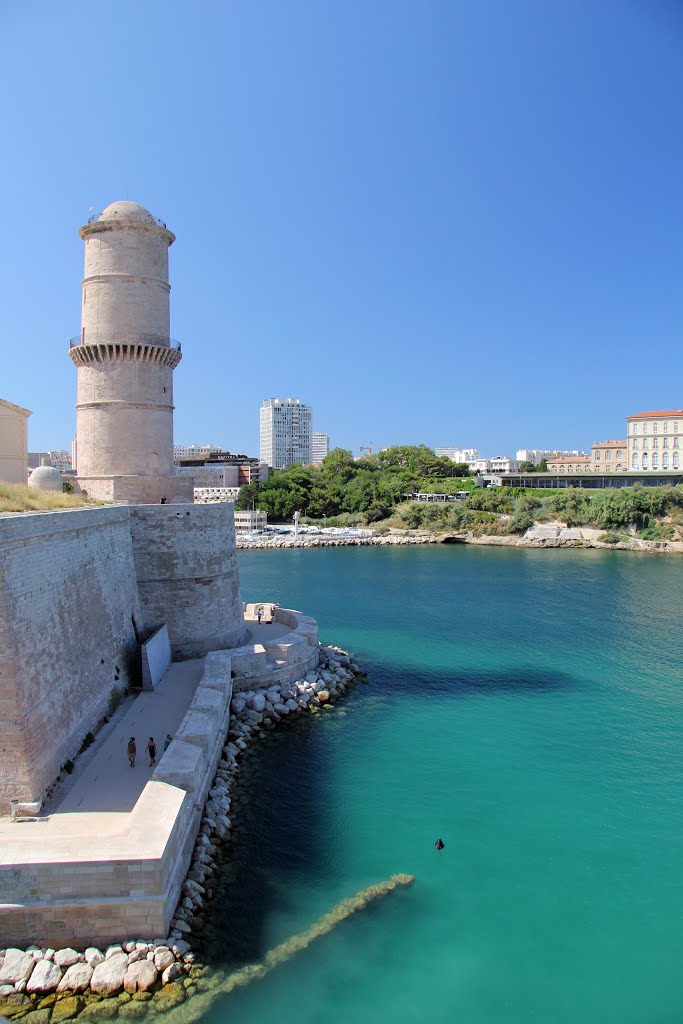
[99, 888]
[68, 603]
[93, 889]
[78, 590]
[186, 568]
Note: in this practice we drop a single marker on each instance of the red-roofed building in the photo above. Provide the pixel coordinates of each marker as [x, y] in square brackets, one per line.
[609, 456]
[654, 440]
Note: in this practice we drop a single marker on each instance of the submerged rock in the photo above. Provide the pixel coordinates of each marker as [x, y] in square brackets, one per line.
[67, 1008]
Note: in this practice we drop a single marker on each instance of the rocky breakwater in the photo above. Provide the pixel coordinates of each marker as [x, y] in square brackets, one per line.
[41, 985]
[269, 541]
[252, 711]
[46, 986]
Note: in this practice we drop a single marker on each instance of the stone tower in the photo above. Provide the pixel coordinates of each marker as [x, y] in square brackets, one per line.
[125, 359]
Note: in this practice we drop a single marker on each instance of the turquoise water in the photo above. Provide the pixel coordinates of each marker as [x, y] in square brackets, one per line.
[526, 706]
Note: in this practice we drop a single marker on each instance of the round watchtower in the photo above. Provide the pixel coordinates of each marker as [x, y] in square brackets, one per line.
[125, 359]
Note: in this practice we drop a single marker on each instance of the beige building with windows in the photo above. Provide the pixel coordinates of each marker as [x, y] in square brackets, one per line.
[609, 457]
[13, 443]
[570, 464]
[654, 440]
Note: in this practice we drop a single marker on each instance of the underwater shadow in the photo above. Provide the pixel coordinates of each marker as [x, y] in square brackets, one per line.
[280, 819]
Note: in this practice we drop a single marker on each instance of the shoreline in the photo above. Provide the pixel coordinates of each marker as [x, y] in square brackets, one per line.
[546, 537]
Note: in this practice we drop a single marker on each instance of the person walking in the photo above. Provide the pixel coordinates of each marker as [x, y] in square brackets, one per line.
[259, 615]
[132, 751]
[168, 741]
[152, 751]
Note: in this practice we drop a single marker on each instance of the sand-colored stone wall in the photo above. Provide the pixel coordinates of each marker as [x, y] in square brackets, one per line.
[68, 595]
[125, 284]
[85, 889]
[186, 566]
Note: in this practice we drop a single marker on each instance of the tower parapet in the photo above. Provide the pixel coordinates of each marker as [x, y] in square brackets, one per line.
[125, 359]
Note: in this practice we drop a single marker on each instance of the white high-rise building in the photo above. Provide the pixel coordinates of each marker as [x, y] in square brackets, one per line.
[285, 432]
[320, 446]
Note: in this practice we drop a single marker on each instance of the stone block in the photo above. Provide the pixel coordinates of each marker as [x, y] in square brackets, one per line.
[182, 765]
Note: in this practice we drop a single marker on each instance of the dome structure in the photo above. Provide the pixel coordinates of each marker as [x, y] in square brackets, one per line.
[46, 478]
[124, 209]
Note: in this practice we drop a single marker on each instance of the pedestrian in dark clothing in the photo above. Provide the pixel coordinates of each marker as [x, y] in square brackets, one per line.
[132, 751]
[168, 741]
[152, 751]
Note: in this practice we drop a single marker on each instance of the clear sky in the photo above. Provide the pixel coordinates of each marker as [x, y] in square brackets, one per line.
[454, 223]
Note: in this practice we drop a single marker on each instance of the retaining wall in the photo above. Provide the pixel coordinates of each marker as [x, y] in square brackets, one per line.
[87, 888]
[68, 598]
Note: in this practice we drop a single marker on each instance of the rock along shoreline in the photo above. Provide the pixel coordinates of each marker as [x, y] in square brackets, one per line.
[136, 978]
[535, 537]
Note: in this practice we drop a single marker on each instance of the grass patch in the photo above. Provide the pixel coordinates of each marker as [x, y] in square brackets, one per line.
[22, 498]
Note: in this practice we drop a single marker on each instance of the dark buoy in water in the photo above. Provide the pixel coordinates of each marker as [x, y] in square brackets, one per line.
[439, 844]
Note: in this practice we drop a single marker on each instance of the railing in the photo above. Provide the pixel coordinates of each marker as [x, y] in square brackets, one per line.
[125, 338]
[96, 216]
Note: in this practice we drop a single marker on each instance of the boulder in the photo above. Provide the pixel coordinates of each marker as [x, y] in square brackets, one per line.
[113, 951]
[163, 958]
[181, 948]
[38, 1016]
[66, 1009]
[67, 957]
[259, 702]
[107, 978]
[11, 1000]
[45, 977]
[291, 704]
[17, 966]
[170, 995]
[135, 1009]
[323, 696]
[141, 976]
[93, 956]
[76, 978]
[173, 972]
[103, 1011]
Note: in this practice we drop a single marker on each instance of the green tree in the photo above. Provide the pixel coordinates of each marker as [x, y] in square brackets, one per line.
[340, 465]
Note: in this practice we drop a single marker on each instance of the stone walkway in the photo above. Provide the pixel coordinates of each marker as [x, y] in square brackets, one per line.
[109, 783]
[107, 789]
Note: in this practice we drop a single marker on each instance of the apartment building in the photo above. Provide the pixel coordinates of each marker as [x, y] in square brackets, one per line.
[320, 446]
[285, 432]
[221, 469]
[654, 440]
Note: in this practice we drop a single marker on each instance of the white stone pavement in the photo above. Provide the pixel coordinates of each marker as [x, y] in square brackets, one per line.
[106, 789]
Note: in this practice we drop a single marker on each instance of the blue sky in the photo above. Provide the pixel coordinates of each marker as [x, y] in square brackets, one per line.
[450, 223]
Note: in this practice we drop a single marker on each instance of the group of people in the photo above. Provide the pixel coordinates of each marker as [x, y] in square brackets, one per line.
[151, 749]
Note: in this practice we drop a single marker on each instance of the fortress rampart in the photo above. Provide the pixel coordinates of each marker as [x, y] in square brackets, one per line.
[78, 591]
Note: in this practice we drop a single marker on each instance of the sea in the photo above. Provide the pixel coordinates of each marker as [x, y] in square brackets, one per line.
[526, 707]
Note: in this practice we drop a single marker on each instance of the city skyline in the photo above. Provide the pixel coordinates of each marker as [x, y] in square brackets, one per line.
[469, 236]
